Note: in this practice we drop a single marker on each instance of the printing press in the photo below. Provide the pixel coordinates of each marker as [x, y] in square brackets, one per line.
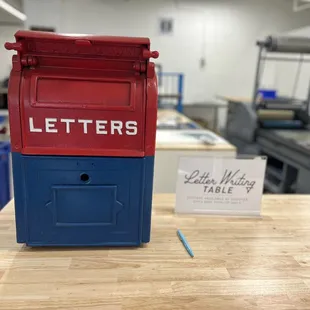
[275, 126]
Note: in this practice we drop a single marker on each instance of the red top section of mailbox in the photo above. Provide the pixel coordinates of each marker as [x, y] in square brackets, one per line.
[82, 95]
[23, 34]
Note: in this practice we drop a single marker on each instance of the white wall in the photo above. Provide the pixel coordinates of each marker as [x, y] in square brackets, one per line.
[221, 31]
[6, 35]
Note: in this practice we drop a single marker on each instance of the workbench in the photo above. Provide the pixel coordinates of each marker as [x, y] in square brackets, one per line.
[240, 263]
[172, 119]
[211, 113]
[171, 144]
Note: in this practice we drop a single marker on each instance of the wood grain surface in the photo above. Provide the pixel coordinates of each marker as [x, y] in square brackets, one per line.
[168, 114]
[195, 147]
[240, 263]
[235, 99]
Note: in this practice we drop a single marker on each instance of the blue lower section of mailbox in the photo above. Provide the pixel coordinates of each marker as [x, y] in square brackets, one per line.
[82, 201]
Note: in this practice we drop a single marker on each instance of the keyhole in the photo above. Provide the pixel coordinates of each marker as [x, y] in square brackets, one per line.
[84, 177]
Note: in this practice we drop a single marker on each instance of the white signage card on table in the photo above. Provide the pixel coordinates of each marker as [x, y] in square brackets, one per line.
[220, 186]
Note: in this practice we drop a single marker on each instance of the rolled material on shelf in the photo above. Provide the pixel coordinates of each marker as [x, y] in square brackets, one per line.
[295, 45]
[275, 115]
[282, 106]
[282, 124]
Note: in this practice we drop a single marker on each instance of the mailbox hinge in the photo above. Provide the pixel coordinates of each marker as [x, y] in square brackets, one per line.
[139, 67]
[29, 61]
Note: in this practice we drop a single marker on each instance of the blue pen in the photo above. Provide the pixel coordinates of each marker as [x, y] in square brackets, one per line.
[185, 243]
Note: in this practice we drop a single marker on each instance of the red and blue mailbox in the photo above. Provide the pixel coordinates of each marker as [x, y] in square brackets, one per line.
[83, 113]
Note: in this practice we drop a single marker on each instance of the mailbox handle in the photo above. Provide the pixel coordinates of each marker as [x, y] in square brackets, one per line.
[150, 54]
[17, 46]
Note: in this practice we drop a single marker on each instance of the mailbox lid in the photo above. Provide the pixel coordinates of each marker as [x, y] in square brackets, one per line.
[78, 112]
[100, 38]
[44, 43]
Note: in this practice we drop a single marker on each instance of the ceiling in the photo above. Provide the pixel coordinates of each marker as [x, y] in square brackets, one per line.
[9, 19]
[300, 5]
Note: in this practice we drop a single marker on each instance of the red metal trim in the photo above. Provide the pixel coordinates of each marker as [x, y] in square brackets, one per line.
[34, 103]
[14, 109]
[81, 152]
[151, 116]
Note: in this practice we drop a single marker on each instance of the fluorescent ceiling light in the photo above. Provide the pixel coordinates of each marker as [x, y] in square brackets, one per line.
[300, 5]
[10, 9]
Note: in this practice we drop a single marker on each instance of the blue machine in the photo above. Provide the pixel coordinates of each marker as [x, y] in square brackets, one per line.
[4, 173]
[170, 86]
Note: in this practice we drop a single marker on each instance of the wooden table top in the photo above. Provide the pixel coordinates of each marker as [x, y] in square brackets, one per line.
[235, 99]
[168, 115]
[240, 263]
[194, 147]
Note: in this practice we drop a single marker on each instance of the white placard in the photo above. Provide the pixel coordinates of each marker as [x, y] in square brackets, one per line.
[220, 186]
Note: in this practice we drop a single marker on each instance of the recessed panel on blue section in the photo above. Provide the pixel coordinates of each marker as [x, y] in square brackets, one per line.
[67, 201]
[85, 205]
